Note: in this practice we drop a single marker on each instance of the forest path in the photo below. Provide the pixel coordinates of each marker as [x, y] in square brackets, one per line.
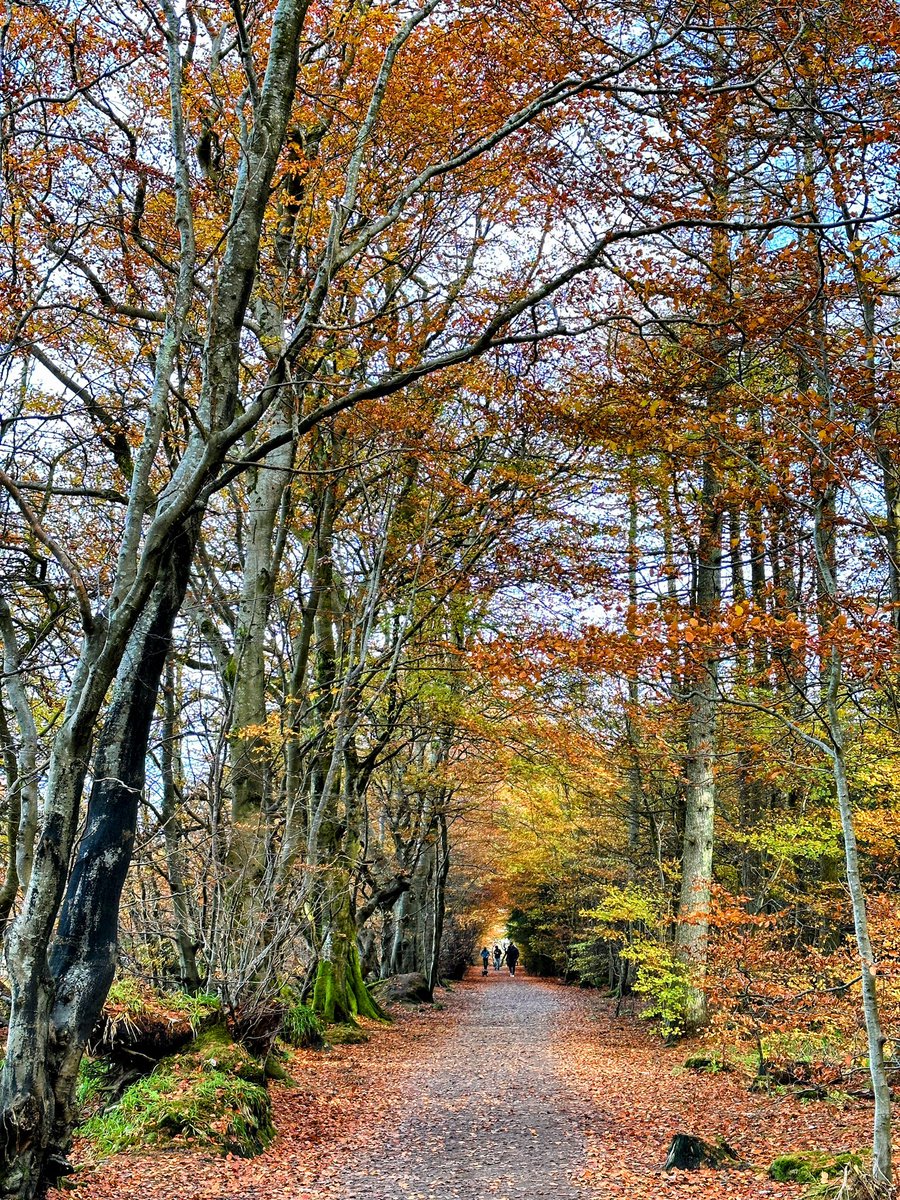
[511, 1088]
[487, 1110]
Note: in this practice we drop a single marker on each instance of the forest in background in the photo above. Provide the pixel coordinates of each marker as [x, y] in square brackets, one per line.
[450, 467]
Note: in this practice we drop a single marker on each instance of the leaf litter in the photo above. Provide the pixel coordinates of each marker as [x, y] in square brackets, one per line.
[514, 1089]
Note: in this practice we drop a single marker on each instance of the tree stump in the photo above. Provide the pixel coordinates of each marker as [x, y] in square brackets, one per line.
[689, 1153]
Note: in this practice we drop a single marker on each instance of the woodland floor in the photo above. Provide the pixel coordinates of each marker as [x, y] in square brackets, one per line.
[515, 1088]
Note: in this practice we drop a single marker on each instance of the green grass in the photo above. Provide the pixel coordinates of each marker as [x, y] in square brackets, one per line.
[93, 1076]
[134, 998]
[129, 994]
[302, 1028]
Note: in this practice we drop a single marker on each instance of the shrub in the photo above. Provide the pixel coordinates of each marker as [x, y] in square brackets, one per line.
[662, 981]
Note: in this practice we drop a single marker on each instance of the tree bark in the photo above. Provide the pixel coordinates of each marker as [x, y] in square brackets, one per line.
[83, 956]
[24, 797]
[340, 993]
[249, 778]
[442, 871]
[692, 929]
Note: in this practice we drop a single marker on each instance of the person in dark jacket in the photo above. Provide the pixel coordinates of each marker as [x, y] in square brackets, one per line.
[512, 957]
[498, 957]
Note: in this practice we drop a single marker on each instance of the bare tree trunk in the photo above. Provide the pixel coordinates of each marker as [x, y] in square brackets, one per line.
[442, 870]
[831, 678]
[692, 928]
[25, 796]
[635, 787]
[875, 1038]
[10, 887]
[83, 956]
[185, 943]
[249, 776]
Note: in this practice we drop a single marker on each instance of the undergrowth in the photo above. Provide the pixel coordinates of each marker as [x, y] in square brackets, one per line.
[133, 998]
[212, 1097]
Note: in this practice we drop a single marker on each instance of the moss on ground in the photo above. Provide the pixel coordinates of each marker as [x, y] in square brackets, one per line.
[712, 1064]
[213, 1096]
[346, 1035]
[812, 1166]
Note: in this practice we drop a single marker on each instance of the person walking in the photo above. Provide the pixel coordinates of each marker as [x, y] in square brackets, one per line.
[512, 957]
[498, 957]
[484, 960]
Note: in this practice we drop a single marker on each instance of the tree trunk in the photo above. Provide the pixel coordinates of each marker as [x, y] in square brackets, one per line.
[881, 1122]
[57, 997]
[24, 796]
[171, 771]
[249, 754]
[692, 931]
[442, 870]
[83, 957]
[340, 993]
[635, 782]
[10, 888]
[408, 953]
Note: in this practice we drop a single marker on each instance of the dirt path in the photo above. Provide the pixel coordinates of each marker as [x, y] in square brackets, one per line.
[486, 1112]
[515, 1089]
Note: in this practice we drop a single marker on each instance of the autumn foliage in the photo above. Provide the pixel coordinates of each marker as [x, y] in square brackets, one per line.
[451, 481]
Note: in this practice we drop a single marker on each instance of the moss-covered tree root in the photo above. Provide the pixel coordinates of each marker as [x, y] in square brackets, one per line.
[340, 994]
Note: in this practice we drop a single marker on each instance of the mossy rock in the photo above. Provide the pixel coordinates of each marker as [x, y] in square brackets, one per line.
[346, 1035]
[216, 1050]
[276, 1070]
[811, 1166]
[212, 1097]
[411, 988]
